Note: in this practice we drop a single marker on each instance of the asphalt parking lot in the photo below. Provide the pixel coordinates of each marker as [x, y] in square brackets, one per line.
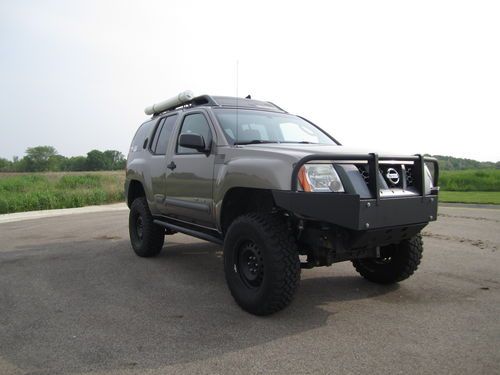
[75, 299]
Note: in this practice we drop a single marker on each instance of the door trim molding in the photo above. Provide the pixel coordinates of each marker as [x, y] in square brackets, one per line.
[187, 204]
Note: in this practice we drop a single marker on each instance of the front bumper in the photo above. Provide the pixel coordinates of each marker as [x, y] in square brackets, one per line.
[351, 212]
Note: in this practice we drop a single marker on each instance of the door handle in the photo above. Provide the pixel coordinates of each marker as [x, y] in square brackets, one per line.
[172, 165]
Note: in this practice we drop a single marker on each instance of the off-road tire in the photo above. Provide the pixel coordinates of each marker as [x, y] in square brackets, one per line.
[277, 263]
[397, 262]
[145, 236]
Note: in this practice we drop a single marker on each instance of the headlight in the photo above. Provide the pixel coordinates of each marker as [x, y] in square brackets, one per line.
[320, 178]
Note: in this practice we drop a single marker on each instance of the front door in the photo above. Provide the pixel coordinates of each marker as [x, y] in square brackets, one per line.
[189, 184]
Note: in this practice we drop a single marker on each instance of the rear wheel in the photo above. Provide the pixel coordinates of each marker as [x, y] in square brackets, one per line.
[261, 263]
[396, 262]
[145, 236]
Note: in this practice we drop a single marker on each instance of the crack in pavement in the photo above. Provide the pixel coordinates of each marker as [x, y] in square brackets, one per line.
[477, 243]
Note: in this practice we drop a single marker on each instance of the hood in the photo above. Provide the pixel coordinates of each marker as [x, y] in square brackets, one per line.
[300, 150]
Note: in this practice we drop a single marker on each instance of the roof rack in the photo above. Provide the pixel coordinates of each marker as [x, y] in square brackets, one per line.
[186, 99]
[231, 101]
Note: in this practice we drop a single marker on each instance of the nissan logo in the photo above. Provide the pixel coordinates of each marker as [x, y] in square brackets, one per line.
[392, 175]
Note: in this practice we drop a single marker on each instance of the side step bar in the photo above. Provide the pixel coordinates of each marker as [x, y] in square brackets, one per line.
[190, 232]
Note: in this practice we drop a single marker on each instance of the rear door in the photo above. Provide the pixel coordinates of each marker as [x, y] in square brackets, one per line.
[158, 164]
[189, 181]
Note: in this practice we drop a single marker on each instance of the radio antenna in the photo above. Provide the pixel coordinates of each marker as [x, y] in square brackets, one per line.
[237, 98]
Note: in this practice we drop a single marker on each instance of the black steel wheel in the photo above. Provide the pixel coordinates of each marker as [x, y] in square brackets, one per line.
[250, 264]
[261, 263]
[396, 263]
[146, 237]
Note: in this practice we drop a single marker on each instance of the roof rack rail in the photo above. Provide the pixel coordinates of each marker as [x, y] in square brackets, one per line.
[277, 106]
[184, 99]
[203, 100]
[170, 103]
[187, 99]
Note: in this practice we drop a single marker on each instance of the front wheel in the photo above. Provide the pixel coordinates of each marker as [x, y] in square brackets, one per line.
[146, 237]
[396, 263]
[261, 263]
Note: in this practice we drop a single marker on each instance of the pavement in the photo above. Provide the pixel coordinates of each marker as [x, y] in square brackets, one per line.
[74, 299]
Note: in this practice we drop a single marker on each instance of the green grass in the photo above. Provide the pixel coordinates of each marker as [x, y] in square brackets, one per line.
[470, 186]
[42, 191]
[472, 180]
[481, 197]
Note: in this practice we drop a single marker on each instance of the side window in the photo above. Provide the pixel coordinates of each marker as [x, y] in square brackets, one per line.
[141, 136]
[195, 123]
[160, 148]
[154, 142]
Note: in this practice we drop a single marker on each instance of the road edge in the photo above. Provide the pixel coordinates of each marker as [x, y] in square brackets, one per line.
[30, 215]
[470, 205]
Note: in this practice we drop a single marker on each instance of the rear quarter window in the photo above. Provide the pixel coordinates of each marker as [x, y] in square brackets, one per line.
[141, 135]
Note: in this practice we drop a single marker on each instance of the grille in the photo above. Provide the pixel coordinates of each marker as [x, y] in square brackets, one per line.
[363, 170]
[410, 180]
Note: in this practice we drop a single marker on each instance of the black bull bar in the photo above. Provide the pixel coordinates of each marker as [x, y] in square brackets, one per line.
[352, 212]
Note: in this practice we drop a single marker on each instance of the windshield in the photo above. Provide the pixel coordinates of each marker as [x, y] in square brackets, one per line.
[267, 127]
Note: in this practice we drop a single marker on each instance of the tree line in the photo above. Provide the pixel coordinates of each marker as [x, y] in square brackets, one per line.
[450, 163]
[46, 158]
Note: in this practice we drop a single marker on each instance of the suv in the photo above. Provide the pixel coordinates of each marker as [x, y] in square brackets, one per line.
[279, 193]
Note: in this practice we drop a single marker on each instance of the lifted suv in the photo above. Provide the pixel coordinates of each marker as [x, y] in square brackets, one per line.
[277, 192]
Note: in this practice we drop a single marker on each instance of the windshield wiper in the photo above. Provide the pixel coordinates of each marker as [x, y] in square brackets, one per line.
[302, 142]
[254, 141]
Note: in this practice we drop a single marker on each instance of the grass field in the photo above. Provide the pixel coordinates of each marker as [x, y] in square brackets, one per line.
[481, 197]
[470, 180]
[41, 191]
[470, 186]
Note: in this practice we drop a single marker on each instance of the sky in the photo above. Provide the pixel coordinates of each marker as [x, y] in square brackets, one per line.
[406, 76]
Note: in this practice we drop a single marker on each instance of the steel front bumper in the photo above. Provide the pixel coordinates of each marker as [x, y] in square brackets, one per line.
[349, 211]
[363, 214]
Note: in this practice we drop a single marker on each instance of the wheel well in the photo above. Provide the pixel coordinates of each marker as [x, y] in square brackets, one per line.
[239, 201]
[135, 190]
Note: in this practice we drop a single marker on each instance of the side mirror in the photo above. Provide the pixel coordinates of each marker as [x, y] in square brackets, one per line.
[192, 140]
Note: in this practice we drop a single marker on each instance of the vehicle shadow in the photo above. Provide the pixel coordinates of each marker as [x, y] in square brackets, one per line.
[97, 306]
[316, 288]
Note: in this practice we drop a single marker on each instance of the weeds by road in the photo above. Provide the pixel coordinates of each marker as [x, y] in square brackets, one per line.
[42, 191]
